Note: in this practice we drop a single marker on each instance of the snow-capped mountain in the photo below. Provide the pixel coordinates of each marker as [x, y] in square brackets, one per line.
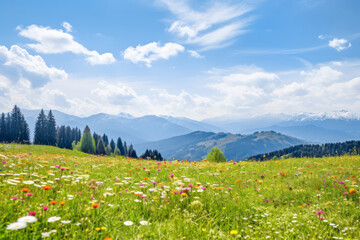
[338, 115]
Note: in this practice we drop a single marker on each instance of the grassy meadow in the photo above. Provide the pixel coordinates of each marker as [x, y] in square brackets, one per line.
[66, 194]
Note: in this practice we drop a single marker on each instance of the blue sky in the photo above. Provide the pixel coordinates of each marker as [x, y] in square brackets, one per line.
[196, 59]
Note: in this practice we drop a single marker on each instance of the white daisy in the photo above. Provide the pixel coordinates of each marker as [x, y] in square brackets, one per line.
[66, 222]
[53, 219]
[27, 219]
[45, 234]
[16, 226]
[144, 222]
[128, 223]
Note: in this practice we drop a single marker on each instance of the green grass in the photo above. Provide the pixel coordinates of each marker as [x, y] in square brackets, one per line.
[249, 199]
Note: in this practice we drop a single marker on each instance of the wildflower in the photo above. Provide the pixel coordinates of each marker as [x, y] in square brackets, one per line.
[53, 202]
[62, 203]
[25, 190]
[27, 219]
[352, 191]
[95, 205]
[144, 222]
[319, 212]
[128, 223]
[328, 203]
[45, 208]
[233, 232]
[300, 206]
[29, 194]
[103, 228]
[108, 238]
[32, 213]
[45, 234]
[183, 194]
[16, 226]
[14, 198]
[53, 219]
[66, 222]
[46, 187]
[171, 175]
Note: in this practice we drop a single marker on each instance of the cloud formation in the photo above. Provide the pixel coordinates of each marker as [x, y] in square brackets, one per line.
[152, 52]
[339, 44]
[54, 41]
[214, 27]
[18, 58]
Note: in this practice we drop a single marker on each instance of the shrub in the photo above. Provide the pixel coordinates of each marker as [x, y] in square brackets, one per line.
[216, 155]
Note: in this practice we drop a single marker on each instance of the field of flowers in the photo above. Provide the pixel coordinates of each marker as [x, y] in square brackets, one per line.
[46, 192]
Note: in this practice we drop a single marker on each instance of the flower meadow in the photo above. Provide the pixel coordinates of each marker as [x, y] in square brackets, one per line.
[52, 193]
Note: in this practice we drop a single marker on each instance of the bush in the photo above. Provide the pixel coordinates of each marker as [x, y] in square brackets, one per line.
[216, 155]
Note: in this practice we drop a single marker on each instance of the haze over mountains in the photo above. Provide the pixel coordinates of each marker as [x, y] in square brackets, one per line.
[186, 138]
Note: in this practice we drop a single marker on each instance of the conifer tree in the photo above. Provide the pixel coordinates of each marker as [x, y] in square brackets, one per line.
[112, 145]
[50, 130]
[100, 148]
[117, 151]
[2, 128]
[105, 139]
[125, 150]
[108, 150]
[120, 146]
[40, 129]
[87, 142]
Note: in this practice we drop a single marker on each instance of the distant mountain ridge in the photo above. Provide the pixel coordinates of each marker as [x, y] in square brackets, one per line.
[196, 145]
[129, 128]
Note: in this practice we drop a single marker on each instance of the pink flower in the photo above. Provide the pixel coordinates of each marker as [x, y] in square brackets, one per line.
[171, 175]
[75, 165]
[322, 218]
[319, 212]
[29, 194]
[63, 168]
[165, 201]
[14, 198]
[190, 185]
[45, 208]
[92, 187]
[308, 204]
[32, 213]
[203, 188]
[71, 171]
[345, 193]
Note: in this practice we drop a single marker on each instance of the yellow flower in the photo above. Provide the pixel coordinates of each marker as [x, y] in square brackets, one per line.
[234, 232]
[203, 229]
[183, 194]
[97, 229]
[292, 201]
[328, 203]
[352, 191]
[103, 228]
[155, 198]
[300, 206]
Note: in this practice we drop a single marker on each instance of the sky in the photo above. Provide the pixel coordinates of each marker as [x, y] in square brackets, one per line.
[191, 58]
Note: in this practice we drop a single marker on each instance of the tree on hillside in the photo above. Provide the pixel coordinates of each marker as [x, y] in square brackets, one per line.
[50, 129]
[100, 148]
[2, 128]
[112, 145]
[216, 155]
[19, 129]
[61, 137]
[132, 152]
[87, 142]
[96, 138]
[105, 139]
[117, 151]
[40, 129]
[120, 146]
[109, 150]
[125, 150]
[152, 154]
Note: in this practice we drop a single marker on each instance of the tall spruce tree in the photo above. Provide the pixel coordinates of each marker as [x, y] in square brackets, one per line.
[2, 127]
[125, 150]
[40, 129]
[87, 142]
[120, 146]
[96, 138]
[108, 150]
[105, 139]
[132, 152]
[8, 128]
[51, 130]
[112, 144]
[100, 148]
[61, 142]
[19, 129]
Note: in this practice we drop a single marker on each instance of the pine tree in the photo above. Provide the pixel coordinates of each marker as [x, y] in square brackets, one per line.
[100, 148]
[96, 138]
[132, 152]
[61, 137]
[120, 146]
[40, 129]
[2, 128]
[105, 139]
[87, 142]
[8, 128]
[125, 150]
[19, 129]
[50, 130]
[112, 145]
[68, 137]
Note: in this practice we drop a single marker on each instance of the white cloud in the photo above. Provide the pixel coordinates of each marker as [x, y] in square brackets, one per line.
[214, 27]
[67, 26]
[19, 58]
[195, 54]
[339, 44]
[152, 52]
[52, 41]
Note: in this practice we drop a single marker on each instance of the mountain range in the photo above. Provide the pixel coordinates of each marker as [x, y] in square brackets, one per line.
[178, 137]
[196, 145]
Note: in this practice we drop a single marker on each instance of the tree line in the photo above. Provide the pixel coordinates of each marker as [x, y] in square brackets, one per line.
[312, 151]
[14, 129]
